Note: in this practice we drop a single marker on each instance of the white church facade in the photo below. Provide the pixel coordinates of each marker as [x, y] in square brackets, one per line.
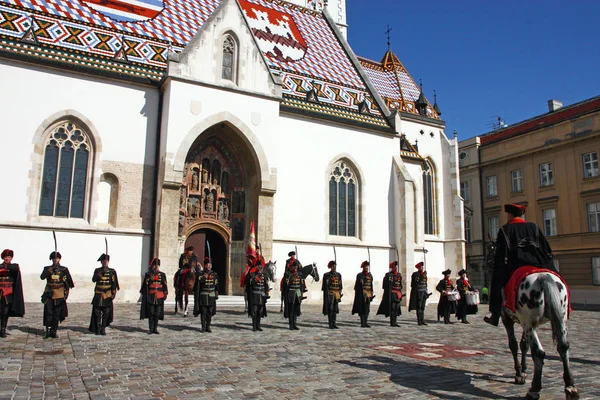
[158, 125]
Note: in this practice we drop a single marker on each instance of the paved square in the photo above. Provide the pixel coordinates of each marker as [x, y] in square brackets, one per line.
[433, 362]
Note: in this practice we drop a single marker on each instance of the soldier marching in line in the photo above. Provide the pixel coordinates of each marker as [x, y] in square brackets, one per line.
[107, 285]
[58, 284]
[332, 293]
[363, 294]
[154, 293]
[464, 287]
[206, 293]
[445, 305]
[184, 261]
[392, 295]
[257, 287]
[294, 287]
[11, 291]
[418, 293]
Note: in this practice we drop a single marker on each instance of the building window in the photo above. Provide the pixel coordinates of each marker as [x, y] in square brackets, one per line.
[596, 270]
[429, 199]
[468, 230]
[593, 211]
[464, 190]
[546, 177]
[228, 68]
[493, 227]
[343, 197]
[108, 200]
[67, 159]
[590, 165]
[549, 217]
[492, 187]
[517, 180]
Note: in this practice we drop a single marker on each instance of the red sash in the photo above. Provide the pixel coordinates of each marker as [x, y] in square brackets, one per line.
[157, 290]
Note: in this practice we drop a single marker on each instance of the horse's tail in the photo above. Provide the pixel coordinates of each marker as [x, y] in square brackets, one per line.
[553, 309]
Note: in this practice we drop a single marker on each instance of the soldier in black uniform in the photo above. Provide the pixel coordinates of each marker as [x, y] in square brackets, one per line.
[257, 287]
[293, 290]
[184, 261]
[363, 294]
[107, 285]
[58, 284]
[519, 243]
[11, 291]
[463, 286]
[418, 293]
[392, 295]
[332, 293]
[154, 293]
[206, 293]
[445, 306]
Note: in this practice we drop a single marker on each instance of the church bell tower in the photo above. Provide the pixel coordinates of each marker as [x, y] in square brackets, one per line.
[335, 8]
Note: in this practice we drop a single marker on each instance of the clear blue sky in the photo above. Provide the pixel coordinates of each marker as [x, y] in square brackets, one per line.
[487, 58]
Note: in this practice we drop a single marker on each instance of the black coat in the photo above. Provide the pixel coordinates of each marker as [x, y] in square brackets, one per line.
[253, 281]
[17, 305]
[67, 281]
[327, 280]
[462, 309]
[144, 312]
[202, 300]
[358, 307]
[415, 280]
[444, 305]
[291, 297]
[99, 302]
[388, 296]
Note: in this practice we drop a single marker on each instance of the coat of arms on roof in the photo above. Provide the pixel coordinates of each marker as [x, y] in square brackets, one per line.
[276, 32]
[127, 10]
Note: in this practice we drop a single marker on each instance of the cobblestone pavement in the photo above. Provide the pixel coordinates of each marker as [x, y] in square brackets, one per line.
[315, 362]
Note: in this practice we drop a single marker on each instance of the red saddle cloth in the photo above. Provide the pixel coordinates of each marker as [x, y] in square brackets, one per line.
[512, 287]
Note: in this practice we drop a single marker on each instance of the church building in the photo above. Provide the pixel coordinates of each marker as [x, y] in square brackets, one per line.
[158, 125]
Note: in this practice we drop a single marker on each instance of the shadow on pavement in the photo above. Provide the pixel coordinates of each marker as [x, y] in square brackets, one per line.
[574, 360]
[128, 328]
[25, 329]
[438, 387]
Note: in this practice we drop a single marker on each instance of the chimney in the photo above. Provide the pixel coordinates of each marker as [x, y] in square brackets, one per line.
[554, 105]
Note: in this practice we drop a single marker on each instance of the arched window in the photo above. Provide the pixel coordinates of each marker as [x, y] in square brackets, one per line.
[67, 159]
[108, 199]
[228, 67]
[343, 195]
[429, 199]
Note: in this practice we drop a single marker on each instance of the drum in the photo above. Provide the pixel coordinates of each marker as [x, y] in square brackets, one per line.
[472, 298]
[453, 296]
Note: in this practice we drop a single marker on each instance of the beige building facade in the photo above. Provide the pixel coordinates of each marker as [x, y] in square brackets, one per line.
[550, 164]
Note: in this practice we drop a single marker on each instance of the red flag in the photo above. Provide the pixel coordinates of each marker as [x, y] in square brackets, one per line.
[251, 250]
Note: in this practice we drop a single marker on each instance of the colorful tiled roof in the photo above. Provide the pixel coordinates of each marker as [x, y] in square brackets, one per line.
[133, 38]
[542, 121]
[394, 84]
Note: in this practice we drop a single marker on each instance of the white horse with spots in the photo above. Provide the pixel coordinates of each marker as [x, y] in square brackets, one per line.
[541, 298]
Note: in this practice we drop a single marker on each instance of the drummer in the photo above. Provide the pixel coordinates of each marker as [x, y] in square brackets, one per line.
[465, 289]
[447, 303]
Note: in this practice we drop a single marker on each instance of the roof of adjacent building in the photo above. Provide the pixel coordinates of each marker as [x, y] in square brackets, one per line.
[542, 121]
[132, 38]
[395, 85]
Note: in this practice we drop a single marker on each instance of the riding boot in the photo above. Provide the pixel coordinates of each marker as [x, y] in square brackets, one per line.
[291, 322]
[254, 323]
[208, 320]
[392, 320]
[203, 321]
[48, 332]
[334, 318]
[447, 316]
[330, 317]
[366, 319]
[150, 325]
[296, 320]
[258, 328]
[54, 330]
[464, 320]
[362, 321]
[3, 326]
[155, 330]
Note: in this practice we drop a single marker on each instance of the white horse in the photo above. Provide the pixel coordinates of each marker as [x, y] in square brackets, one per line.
[541, 297]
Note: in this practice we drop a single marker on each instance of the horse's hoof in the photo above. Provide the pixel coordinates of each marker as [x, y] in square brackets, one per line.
[532, 396]
[520, 380]
[571, 393]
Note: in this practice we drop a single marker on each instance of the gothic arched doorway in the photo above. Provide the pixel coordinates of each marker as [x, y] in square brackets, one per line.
[201, 239]
[219, 198]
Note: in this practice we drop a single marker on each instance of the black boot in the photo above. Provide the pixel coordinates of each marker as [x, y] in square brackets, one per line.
[54, 330]
[150, 325]
[464, 320]
[254, 324]
[334, 317]
[330, 317]
[3, 327]
[366, 323]
[208, 320]
[155, 330]
[48, 332]
[258, 328]
[203, 322]
[296, 320]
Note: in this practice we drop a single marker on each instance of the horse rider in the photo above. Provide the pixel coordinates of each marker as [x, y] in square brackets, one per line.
[418, 293]
[11, 291]
[519, 243]
[107, 285]
[392, 295]
[58, 284]
[294, 287]
[184, 260]
[464, 287]
[363, 294]
[257, 287]
[206, 293]
[154, 293]
[287, 270]
[445, 305]
[332, 293]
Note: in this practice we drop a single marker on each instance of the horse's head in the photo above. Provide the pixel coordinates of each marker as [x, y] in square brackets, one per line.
[270, 270]
[315, 272]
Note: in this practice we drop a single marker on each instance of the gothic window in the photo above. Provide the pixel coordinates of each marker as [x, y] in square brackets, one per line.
[225, 182]
[216, 171]
[343, 195]
[429, 199]
[228, 67]
[65, 172]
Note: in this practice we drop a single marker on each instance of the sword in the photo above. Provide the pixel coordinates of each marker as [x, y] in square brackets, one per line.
[296, 248]
[369, 252]
[106, 245]
[334, 255]
[55, 249]
[209, 256]
[397, 256]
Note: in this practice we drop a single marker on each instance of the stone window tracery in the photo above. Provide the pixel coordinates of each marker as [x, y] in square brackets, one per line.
[343, 190]
[228, 66]
[67, 158]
